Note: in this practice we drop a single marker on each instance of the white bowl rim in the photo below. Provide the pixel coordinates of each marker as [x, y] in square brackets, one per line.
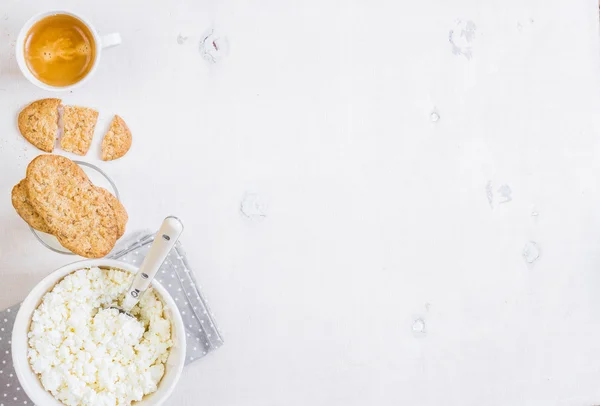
[36, 392]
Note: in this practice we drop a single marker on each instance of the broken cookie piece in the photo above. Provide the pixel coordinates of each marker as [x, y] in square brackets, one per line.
[38, 123]
[79, 124]
[117, 140]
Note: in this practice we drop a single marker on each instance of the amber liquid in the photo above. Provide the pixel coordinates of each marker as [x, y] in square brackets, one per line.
[60, 50]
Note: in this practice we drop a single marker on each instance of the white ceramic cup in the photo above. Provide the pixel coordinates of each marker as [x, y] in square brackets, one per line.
[101, 42]
[30, 382]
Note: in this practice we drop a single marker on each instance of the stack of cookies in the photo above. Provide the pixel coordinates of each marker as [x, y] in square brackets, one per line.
[57, 197]
[41, 123]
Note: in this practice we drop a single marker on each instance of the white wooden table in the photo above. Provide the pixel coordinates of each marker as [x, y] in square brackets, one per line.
[390, 256]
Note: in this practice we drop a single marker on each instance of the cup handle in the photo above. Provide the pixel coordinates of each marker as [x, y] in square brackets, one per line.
[110, 40]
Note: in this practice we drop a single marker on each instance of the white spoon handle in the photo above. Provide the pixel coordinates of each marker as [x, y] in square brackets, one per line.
[165, 239]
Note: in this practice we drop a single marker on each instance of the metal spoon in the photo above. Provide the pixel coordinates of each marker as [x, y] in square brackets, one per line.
[165, 239]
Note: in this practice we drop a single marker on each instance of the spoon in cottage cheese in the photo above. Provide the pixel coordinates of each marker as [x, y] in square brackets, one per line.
[165, 239]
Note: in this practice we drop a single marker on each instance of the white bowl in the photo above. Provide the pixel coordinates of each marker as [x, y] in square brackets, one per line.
[30, 381]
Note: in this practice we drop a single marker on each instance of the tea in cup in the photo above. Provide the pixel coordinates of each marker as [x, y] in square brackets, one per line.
[60, 50]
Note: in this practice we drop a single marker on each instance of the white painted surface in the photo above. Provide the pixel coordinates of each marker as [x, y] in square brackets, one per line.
[380, 274]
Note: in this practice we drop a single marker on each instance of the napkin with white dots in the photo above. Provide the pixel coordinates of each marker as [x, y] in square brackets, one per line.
[175, 275]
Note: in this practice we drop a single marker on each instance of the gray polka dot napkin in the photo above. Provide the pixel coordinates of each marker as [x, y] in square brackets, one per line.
[175, 275]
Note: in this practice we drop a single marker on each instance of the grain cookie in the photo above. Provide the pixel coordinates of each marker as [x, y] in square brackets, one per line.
[38, 123]
[79, 124]
[20, 201]
[117, 140]
[76, 212]
[120, 212]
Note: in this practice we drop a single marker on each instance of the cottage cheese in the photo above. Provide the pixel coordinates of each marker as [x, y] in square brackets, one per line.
[87, 354]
